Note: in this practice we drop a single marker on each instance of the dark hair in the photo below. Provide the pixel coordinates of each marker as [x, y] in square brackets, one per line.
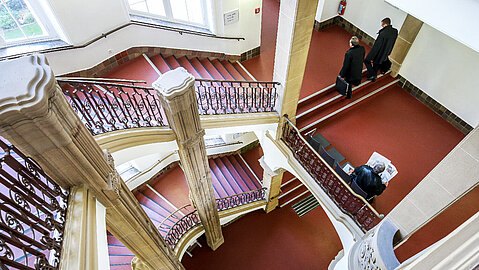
[386, 21]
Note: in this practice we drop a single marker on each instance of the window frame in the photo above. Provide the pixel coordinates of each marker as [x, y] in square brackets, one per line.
[41, 17]
[169, 14]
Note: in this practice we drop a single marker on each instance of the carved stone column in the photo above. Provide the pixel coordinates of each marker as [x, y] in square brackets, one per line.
[36, 117]
[295, 28]
[272, 181]
[406, 37]
[84, 225]
[375, 249]
[178, 98]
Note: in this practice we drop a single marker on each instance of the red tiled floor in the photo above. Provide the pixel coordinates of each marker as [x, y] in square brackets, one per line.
[278, 240]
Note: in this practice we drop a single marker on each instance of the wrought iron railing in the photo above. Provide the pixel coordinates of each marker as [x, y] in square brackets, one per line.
[240, 199]
[32, 213]
[228, 97]
[105, 105]
[178, 223]
[340, 192]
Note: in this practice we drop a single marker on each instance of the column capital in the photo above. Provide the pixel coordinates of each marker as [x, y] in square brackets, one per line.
[268, 170]
[174, 83]
[26, 85]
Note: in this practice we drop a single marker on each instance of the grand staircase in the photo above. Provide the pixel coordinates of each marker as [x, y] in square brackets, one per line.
[164, 197]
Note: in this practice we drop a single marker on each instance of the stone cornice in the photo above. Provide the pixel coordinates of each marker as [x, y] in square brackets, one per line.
[25, 85]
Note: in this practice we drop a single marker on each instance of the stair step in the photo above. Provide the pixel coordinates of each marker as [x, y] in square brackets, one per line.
[172, 62]
[294, 196]
[160, 63]
[308, 119]
[235, 175]
[233, 71]
[226, 177]
[242, 171]
[305, 205]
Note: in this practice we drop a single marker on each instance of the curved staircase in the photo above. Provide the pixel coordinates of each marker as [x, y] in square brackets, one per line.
[164, 198]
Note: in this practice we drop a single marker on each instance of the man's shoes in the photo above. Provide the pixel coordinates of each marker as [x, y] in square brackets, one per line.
[372, 78]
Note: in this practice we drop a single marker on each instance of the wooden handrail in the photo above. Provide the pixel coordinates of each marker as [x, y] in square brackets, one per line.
[100, 80]
[106, 34]
[331, 169]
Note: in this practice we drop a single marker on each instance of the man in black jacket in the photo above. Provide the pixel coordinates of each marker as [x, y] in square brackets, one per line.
[377, 58]
[353, 64]
[368, 179]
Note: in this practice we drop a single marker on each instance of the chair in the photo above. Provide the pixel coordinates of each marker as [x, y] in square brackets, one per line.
[319, 138]
[326, 157]
[358, 190]
[336, 155]
[346, 177]
[315, 144]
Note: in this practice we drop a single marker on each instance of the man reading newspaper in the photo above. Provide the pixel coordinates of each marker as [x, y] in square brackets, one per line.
[389, 172]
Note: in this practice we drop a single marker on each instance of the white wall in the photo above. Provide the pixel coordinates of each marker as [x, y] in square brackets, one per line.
[446, 70]
[329, 9]
[85, 20]
[366, 15]
[458, 18]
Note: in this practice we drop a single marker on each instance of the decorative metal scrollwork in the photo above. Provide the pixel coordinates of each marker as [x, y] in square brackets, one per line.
[360, 211]
[32, 213]
[105, 106]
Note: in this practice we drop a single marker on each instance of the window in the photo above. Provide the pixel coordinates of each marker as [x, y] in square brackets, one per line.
[184, 11]
[19, 22]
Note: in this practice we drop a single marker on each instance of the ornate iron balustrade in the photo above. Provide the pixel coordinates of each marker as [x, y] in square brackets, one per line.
[32, 213]
[229, 97]
[105, 105]
[182, 223]
[343, 196]
[240, 199]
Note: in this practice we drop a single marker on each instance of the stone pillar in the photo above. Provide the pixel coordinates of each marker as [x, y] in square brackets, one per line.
[271, 181]
[35, 116]
[84, 244]
[178, 98]
[452, 178]
[406, 37]
[295, 26]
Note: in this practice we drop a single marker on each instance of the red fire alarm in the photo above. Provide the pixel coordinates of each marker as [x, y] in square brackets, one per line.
[257, 10]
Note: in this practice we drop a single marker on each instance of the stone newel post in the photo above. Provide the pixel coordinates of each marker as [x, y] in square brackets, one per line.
[178, 98]
[36, 117]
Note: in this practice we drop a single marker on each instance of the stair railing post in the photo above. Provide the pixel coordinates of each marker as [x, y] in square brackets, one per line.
[272, 183]
[36, 117]
[178, 97]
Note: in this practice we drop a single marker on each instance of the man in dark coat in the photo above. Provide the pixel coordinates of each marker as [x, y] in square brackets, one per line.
[377, 58]
[368, 179]
[353, 64]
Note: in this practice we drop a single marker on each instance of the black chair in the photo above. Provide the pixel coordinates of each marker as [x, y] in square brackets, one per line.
[326, 157]
[336, 155]
[358, 190]
[315, 144]
[346, 177]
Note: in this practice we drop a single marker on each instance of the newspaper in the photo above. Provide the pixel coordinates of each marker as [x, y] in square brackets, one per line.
[389, 172]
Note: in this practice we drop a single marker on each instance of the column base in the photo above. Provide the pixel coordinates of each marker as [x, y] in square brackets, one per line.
[216, 244]
[271, 205]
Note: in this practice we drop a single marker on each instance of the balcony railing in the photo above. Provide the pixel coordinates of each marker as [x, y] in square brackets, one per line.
[344, 197]
[32, 213]
[228, 97]
[106, 105]
[178, 223]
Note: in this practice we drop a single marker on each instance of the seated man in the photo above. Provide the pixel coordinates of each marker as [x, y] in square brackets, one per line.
[368, 179]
